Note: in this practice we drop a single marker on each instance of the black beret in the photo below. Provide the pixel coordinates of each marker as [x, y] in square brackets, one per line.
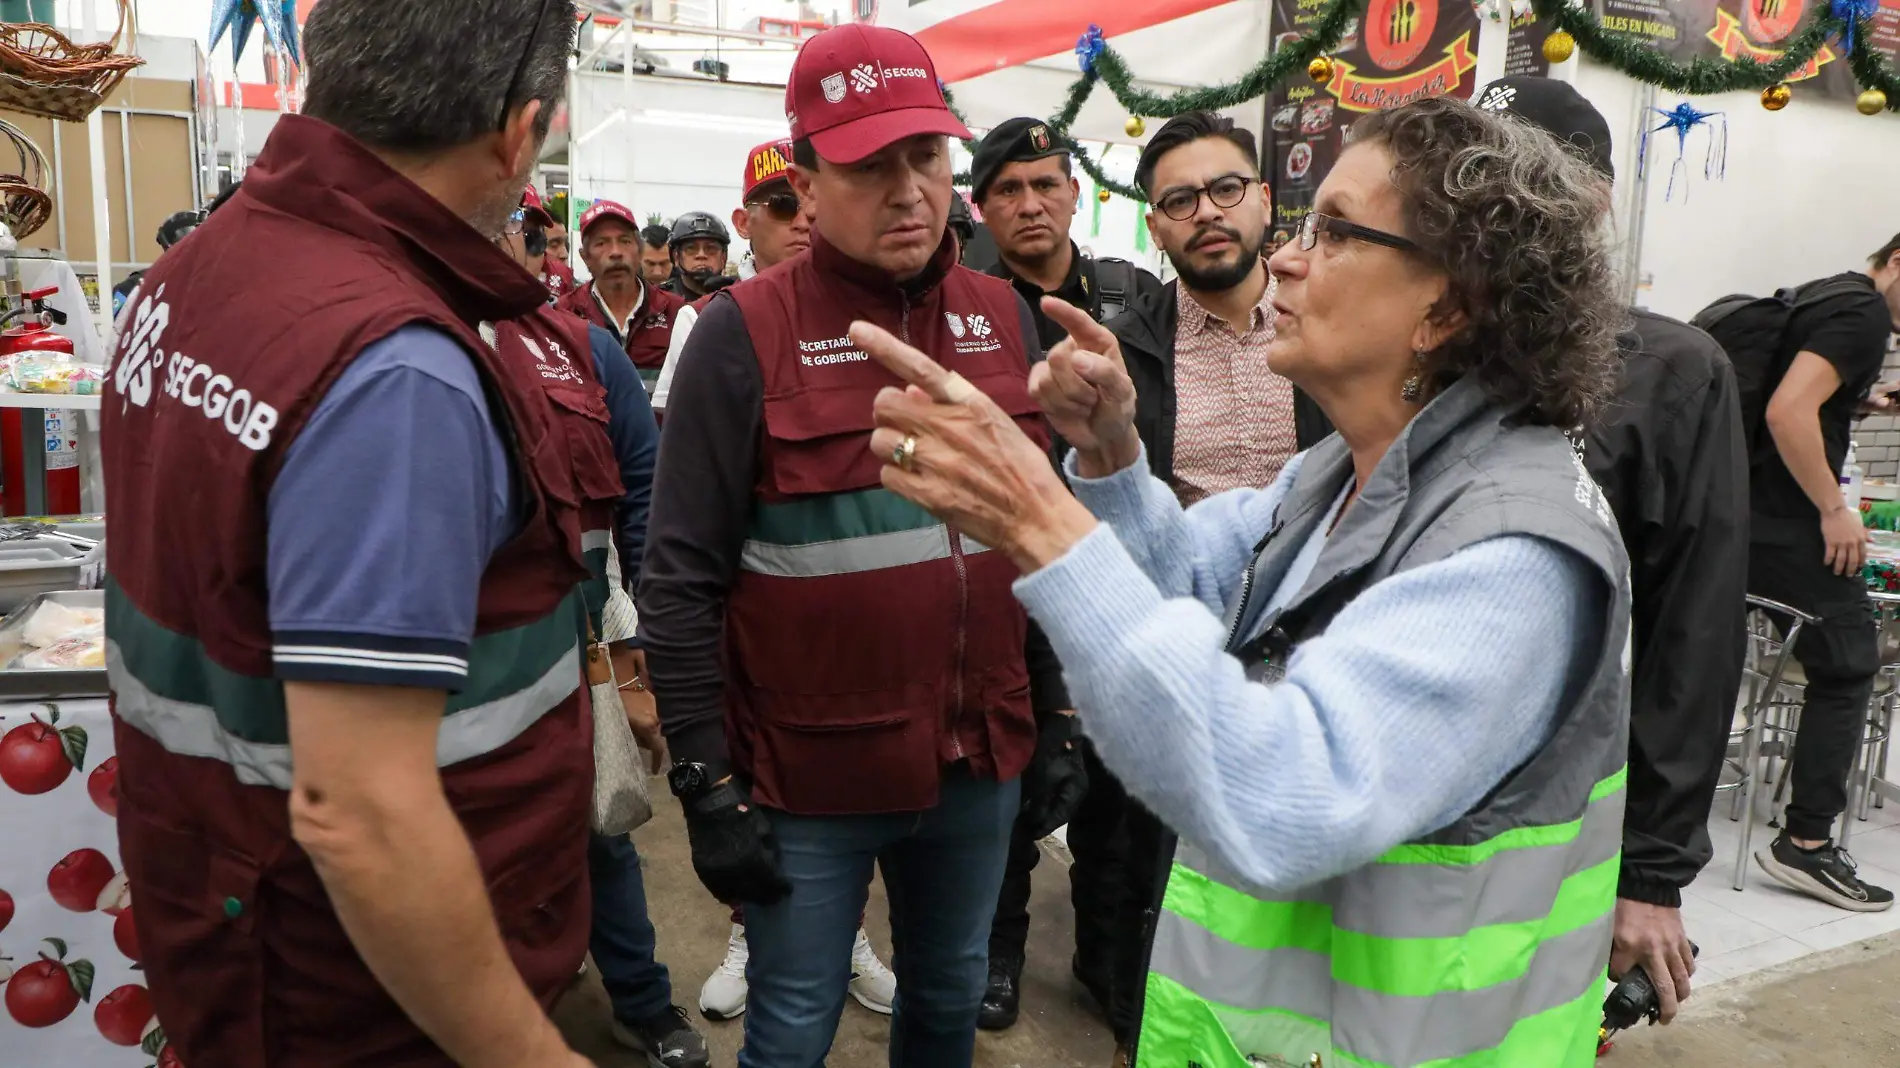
[1014, 141]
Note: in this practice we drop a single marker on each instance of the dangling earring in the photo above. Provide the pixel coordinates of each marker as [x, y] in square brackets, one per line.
[1415, 382]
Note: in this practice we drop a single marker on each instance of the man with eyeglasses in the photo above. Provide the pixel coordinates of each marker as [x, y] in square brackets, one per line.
[697, 245]
[1021, 178]
[1212, 414]
[636, 312]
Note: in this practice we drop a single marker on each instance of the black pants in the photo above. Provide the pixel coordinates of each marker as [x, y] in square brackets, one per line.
[1839, 653]
[1097, 881]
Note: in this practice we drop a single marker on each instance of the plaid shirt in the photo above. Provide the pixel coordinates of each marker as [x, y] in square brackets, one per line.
[1233, 423]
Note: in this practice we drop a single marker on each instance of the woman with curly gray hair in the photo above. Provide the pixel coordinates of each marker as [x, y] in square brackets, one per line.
[1383, 702]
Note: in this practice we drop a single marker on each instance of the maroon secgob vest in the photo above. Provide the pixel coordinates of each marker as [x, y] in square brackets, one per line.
[652, 328]
[849, 692]
[324, 251]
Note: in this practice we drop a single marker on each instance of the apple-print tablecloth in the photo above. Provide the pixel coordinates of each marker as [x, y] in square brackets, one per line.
[73, 996]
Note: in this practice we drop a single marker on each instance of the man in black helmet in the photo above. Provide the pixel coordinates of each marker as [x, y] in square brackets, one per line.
[698, 246]
[170, 232]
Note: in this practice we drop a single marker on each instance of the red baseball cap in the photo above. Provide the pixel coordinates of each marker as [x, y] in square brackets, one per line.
[607, 209]
[856, 88]
[766, 163]
[531, 204]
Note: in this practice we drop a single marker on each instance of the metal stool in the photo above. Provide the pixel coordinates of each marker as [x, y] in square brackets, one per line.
[1763, 668]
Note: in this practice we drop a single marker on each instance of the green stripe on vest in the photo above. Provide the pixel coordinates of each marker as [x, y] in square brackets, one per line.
[842, 534]
[167, 686]
[1180, 1029]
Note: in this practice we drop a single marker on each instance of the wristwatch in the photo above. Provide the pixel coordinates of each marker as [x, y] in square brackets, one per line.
[689, 781]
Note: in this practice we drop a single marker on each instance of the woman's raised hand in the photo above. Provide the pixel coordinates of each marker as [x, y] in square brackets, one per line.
[1084, 388]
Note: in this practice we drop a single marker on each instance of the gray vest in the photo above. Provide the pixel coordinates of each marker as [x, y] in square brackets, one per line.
[1440, 949]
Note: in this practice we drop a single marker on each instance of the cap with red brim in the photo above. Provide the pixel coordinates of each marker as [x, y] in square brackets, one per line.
[856, 89]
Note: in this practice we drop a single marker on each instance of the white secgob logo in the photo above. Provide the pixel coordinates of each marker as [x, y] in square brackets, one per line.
[864, 77]
[979, 326]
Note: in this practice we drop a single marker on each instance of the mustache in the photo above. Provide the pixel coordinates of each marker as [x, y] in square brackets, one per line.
[1211, 230]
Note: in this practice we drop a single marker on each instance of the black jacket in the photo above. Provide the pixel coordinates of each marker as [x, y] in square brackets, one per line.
[1670, 458]
[1146, 332]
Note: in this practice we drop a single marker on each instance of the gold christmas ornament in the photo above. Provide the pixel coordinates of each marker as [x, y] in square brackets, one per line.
[1871, 102]
[1559, 46]
[1134, 127]
[1776, 96]
[1103, 194]
[1321, 69]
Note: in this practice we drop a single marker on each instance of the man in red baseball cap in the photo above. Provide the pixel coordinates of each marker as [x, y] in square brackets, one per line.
[843, 680]
[537, 225]
[776, 223]
[640, 316]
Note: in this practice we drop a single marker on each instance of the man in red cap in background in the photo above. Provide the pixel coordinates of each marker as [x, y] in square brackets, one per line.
[843, 680]
[548, 262]
[640, 316]
[776, 223]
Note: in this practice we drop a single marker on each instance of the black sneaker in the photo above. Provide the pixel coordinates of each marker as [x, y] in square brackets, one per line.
[1826, 873]
[667, 1039]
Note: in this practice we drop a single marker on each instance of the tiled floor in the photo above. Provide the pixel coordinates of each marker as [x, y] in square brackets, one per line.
[1766, 924]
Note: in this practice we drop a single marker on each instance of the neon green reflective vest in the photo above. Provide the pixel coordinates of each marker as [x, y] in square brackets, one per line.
[1480, 945]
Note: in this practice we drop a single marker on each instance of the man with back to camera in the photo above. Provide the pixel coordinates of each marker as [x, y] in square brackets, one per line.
[621, 938]
[352, 736]
[878, 682]
[1210, 411]
[777, 224]
[1021, 178]
[656, 261]
[1671, 460]
[1806, 551]
[697, 245]
[636, 312]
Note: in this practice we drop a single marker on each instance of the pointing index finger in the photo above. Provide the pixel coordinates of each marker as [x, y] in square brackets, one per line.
[1087, 334]
[911, 365]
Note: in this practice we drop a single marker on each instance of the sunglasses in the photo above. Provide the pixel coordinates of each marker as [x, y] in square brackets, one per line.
[783, 206]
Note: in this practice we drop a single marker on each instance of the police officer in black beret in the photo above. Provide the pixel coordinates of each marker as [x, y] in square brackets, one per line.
[1023, 183]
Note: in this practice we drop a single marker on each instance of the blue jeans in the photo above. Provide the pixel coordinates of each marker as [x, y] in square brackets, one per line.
[942, 869]
[622, 938]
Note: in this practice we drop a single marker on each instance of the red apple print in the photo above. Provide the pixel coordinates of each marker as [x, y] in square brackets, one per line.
[126, 936]
[116, 896]
[6, 909]
[76, 881]
[36, 757]
[103, 785]
[48, 990]
[123, 1014]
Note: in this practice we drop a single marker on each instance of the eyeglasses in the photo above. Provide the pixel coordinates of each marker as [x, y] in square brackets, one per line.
[783, 206]
[1316, 222]
[1181, 204]
[515, 222]
[521, 68]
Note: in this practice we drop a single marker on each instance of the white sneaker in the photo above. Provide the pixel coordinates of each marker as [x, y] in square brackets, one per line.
[871, 982]
[723, 996]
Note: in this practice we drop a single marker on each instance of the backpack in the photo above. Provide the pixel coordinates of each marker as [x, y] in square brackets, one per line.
[1754, 333]
[1117, 283]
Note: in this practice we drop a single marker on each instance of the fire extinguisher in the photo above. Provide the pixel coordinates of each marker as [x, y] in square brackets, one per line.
[34, 332]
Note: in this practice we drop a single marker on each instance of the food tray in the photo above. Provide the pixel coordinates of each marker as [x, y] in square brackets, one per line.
[31, 566]
[20, 684]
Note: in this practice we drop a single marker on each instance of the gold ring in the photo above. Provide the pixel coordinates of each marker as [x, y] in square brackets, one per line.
[905, 455]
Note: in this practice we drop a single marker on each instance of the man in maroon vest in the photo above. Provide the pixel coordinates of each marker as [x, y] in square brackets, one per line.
[842, 679]
[639, 315]
[345, 598]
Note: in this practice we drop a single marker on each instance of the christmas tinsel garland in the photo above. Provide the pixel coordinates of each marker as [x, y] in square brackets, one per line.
[1701, 76]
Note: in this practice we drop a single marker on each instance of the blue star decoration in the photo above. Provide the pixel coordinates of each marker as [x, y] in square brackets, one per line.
[239, 16]
[1683, 119]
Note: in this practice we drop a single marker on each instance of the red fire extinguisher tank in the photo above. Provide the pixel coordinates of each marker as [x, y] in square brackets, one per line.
[62, 458]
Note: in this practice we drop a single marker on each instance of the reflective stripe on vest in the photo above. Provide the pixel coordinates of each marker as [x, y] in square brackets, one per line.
[1486, 954]
[595, 545]
[844, 533]
[165, 685]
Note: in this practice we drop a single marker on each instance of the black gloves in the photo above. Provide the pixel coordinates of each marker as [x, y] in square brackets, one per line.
[1056, 781]
[735, 853]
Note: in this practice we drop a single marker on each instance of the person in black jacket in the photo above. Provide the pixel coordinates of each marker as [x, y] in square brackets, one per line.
[1213, 417]
[1671, 460]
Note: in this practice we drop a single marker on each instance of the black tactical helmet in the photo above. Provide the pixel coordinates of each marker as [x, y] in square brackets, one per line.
[697, 224]
[174, 229]
[960, 219]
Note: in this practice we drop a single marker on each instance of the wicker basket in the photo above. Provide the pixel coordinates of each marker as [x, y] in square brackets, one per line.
[42, 72]
[24, 203]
